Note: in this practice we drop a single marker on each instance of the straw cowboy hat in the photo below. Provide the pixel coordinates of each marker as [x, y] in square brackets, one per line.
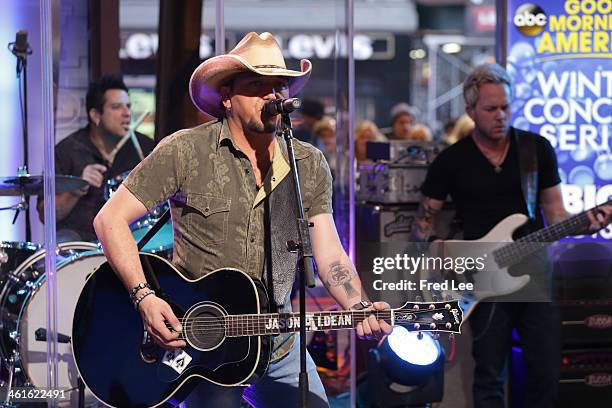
[258, 53]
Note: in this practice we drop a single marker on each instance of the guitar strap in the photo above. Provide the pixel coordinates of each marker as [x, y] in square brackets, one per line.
[528, 165]
[280, 220]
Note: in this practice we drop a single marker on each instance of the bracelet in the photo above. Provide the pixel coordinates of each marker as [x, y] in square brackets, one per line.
[136, 288]
[141, 297]
[364, 304]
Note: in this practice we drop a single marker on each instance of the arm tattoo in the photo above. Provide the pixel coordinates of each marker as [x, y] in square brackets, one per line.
[341, 275]
[425, 220]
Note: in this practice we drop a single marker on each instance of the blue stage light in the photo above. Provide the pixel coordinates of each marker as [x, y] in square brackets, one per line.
[414, 348]
[406, 369]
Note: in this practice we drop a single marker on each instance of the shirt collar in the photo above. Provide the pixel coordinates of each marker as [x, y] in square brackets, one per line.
[299, 149]
[224, 133]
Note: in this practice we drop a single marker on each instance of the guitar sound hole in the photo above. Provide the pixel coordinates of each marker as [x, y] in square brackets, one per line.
[205, 327]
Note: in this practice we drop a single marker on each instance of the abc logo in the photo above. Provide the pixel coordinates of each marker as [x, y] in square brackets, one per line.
[530, 19]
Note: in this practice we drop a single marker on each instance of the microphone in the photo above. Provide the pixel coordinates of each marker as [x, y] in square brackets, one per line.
[279, 106]
[21, 48]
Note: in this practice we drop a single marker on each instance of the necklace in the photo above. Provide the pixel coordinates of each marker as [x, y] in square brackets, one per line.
[498, 168]
[499, 159]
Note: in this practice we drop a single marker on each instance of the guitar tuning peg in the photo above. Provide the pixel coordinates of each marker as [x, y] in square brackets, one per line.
[451, 336]
[449, 298]
[418, 298]
[420, 335]
[434, 298]
[435, 336]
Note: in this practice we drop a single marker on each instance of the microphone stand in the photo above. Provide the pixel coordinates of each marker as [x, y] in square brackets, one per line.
[22, 68]
[304, 250]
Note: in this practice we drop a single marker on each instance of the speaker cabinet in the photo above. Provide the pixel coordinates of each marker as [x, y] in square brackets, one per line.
[586, 378]
[583, 280]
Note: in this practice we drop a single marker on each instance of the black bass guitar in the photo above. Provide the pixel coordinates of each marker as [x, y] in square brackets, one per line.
[226, 324]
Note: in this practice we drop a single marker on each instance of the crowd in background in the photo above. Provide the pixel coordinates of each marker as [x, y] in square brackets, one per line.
[319, 128]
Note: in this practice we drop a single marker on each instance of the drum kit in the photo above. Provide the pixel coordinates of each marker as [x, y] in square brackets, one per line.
[23, 348]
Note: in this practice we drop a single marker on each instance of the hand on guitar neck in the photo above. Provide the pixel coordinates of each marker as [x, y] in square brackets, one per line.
[371, 328]
[600, 217]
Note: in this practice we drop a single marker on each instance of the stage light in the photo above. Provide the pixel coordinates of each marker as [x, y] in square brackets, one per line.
[405, 370]
[418, 53]
[451, 48]
[414, 348]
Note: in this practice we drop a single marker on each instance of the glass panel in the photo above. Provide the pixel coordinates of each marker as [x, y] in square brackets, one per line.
[314, 30]
[27, 125]
[138, 34]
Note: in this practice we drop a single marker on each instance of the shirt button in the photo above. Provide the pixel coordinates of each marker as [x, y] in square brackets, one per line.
[206, 210]
[252, 240]
[247, 171]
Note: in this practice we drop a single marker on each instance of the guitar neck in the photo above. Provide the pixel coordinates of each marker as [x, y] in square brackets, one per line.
[277, 323]
[519, 249]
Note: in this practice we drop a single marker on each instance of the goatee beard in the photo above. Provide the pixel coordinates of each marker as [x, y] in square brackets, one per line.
[262, 127]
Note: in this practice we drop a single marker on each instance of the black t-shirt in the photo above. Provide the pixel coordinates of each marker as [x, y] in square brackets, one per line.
[481, 196]
[75, 152]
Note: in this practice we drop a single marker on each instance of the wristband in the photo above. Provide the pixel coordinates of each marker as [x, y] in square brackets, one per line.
[141, 297]
[135, 289]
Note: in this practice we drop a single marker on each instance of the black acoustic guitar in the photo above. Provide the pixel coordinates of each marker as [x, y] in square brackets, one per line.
[226, 324]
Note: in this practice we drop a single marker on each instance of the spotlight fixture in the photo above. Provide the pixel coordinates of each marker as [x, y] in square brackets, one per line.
[405, 370]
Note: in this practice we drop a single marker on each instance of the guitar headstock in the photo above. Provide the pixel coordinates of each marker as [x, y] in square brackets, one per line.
[430, 316]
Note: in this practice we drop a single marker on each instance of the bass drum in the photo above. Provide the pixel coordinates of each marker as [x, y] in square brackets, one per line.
[13, 254]
[24, 311]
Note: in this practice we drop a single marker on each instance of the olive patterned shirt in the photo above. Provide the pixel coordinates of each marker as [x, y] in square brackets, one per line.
[216, 206]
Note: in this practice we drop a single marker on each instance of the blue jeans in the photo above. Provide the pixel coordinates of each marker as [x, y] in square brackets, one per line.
[277, 388]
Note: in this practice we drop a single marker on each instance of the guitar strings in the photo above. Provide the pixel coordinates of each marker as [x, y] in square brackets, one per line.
[218, 322]
[203, 330]
[260, 317]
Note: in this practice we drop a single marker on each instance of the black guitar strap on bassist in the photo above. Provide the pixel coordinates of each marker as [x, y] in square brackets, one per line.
[528, 165]
[156, 227]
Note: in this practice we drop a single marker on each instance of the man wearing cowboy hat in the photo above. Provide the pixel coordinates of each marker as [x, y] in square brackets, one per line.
[231, 194]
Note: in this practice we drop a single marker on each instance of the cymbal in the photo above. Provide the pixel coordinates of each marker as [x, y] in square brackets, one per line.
[33, 185]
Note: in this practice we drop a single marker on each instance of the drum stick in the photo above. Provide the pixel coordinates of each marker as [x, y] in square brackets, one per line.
[133, 134]
[129, 135]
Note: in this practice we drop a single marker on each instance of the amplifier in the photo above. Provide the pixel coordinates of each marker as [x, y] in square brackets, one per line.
[385, 230]
[586, 322]
[586, 378]
[403, 151]
[390, 183]
[387, 223]
[583, 280]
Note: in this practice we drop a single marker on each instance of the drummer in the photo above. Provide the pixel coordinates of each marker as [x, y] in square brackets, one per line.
[90, 153]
